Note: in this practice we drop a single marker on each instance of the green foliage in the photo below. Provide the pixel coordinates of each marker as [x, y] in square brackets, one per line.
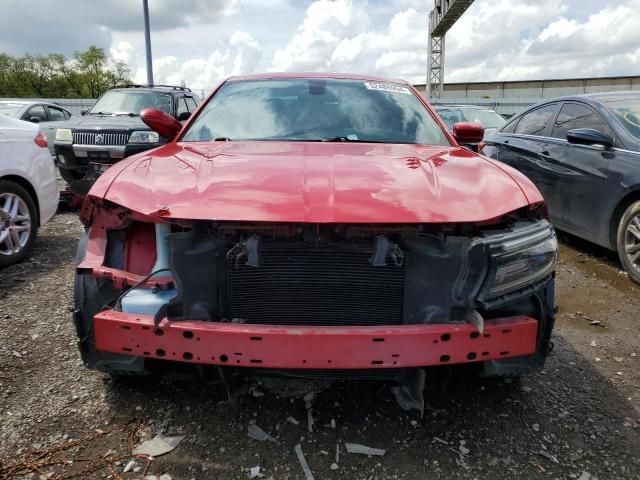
[87, 75]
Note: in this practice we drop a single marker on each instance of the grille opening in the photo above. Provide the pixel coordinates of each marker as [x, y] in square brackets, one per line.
[301, 284]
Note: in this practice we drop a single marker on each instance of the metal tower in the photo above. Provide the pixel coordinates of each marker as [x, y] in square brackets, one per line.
[441, 19]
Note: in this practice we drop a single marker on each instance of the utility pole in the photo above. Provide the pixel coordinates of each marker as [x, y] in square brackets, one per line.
[441, 19]
[147, 42]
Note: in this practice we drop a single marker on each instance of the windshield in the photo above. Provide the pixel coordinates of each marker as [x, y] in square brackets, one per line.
[628, 112]
[316, 110]
[131, 102]
[11, 109]
[485, 117]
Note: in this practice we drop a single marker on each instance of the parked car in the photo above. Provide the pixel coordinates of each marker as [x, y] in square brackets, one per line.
[452, 114]
[28, 188]
[112, 130]
[583, 153]
[47, 115]
[299, 225]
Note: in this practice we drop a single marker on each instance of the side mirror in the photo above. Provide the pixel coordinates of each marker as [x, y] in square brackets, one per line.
[467, 133]
[589, 136]
[161, 122]
[34, 119]
[184, 116]
[84, 111]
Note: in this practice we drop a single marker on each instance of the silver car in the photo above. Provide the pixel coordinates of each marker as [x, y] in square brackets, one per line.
[489, 119]
[46, 115]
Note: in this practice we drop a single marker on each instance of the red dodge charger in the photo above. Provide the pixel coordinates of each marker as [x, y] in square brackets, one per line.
[315, 225]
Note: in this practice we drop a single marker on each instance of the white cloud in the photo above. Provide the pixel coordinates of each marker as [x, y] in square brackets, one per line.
[493, 40]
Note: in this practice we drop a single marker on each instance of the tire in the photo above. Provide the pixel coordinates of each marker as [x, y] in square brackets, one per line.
[69, 175]
[629, 241]
[16, 204]
[92, 295]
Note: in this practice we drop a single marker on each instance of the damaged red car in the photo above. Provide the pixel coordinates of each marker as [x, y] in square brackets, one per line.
[310, 225]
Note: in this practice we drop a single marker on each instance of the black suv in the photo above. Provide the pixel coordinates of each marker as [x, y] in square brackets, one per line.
[112, 129]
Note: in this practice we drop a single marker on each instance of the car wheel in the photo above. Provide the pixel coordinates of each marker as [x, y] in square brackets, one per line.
[92, 295]
[70, 175]
[18, 223]
[629, 241]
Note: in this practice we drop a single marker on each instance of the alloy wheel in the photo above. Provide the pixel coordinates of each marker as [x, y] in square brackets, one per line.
[632, 242]
[15, 224]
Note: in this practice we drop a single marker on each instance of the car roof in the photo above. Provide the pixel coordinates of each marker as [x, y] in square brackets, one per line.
[337, 76]
[31, 102]
[601, 97]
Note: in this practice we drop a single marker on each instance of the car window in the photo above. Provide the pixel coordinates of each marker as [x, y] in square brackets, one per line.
[191, 104]
[56, 114]
[485, 117]
[510, 127]
[536, 121]
[627, 112]
[182, 106]
[313, 110]
[573, 115]
[131, 102]
[36, 111]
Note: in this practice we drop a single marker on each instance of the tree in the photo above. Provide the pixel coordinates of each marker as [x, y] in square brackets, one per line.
[87, 74]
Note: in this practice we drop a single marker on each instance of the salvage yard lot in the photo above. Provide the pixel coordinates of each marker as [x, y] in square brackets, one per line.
[580, 414]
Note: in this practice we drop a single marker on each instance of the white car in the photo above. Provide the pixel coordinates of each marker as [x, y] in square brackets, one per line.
[28, 187]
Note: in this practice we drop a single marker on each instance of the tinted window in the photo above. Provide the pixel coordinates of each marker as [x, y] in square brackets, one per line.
[573, 115]
[510, 128]
[191, 104]
[37, 111]
[535, 122]
[182, 106]
[314, 110]
[56, 114]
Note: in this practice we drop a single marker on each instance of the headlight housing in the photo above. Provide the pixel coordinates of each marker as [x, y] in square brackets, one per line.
[521, 261]
[64, 135]
[144, 136]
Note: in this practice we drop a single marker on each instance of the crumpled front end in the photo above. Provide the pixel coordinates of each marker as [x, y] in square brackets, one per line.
[318, 298]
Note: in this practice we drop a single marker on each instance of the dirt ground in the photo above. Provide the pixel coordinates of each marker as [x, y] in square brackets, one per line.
[578, 419]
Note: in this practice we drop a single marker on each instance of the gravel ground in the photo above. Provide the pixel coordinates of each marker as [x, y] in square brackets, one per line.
[576, 419]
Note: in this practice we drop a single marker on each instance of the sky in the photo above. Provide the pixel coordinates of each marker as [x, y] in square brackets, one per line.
[201, 42]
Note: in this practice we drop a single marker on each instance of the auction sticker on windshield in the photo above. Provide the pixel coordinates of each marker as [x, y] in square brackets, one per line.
[387, 87]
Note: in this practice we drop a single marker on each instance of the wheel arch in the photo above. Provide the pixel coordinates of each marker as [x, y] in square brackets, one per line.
[24, 183]
[629, 198]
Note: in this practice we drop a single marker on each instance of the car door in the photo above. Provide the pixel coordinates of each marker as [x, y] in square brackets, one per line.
[56, 115]
[522, 145]
[580, 171]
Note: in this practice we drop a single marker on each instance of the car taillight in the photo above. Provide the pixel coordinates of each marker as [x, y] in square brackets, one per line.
[41, 140]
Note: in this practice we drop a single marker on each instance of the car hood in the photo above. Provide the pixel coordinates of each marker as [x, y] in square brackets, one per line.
[312, 182]
[106, 122]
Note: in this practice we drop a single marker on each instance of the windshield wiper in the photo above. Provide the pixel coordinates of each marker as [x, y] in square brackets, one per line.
[352, 140]
[338, 139]
[101, 113]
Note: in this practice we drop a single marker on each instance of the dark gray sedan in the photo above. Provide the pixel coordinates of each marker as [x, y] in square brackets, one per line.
[583, 153]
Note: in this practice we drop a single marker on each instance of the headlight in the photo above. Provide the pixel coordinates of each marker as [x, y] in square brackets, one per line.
[64, 135]
[144, 136]
[523, 262]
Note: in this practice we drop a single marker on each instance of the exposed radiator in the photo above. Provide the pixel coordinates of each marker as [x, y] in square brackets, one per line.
[298, 284]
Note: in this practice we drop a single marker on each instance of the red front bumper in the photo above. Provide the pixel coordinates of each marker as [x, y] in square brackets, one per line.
[303, 347]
